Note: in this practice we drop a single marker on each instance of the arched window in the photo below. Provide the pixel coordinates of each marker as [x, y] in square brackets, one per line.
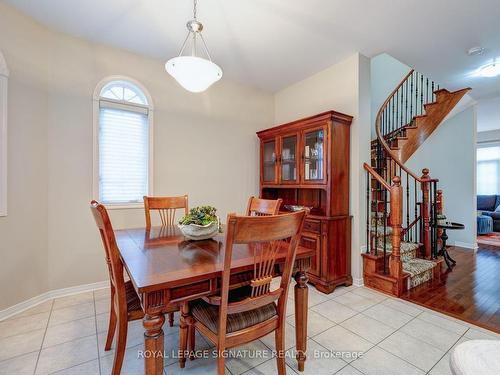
[123, 142]
[4, 78]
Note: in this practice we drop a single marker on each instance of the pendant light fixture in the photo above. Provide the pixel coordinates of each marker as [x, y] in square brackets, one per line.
[194, 73]
[490, 70]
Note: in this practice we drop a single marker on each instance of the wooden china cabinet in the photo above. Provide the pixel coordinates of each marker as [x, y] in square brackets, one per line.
[306, 163]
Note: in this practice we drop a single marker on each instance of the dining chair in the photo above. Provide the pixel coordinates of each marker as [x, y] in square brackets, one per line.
[166, 207]
[228, 321]
[263, 207]
[125, 303]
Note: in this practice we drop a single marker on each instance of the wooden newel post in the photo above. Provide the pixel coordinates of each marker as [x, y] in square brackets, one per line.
[426, 230]
[396, 266]
[440, 202]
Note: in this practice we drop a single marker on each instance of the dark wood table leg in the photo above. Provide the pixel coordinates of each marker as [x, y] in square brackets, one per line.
[450, 262]
[153, 343]
[301, 304]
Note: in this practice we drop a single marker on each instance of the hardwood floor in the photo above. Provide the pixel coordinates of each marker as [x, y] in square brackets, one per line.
[470, 291]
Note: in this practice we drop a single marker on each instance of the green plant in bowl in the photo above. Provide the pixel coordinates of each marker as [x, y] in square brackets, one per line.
[201, 223]
[203, 215]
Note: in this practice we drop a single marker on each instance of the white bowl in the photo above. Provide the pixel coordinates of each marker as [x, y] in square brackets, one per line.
[199, 232]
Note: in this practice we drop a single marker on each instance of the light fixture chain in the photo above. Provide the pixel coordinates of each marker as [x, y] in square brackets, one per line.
[195, 6]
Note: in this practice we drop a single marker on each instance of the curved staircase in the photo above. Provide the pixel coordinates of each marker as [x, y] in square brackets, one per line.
[402, 207]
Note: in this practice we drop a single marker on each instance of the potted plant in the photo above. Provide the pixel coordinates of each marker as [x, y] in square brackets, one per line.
[200, 224]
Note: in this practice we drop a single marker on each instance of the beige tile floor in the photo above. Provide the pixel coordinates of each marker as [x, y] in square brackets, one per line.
[66, 336]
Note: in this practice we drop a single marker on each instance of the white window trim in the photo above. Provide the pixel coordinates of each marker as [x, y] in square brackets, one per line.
[95, 139]
[4, 79]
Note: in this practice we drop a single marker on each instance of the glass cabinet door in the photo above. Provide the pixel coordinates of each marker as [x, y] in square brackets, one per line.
[269, 161]
[289, 158]
[314, 156]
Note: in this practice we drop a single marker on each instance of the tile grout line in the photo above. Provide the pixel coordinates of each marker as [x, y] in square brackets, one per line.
[376, 345]
[403, 359]
[68, 322]
[70, 367]
[17, 356]
[418, 316]
[251, 368]
[49, 326]
[339, 324]
[25, 313]
[69, 341]
[24, 332]
[357, 312]
[399, 329]
[272, 350]
[43, 339]
[266, 361]
[97, 335]
[444, 355]
[446, 329]
[343, 367]
[446, 351]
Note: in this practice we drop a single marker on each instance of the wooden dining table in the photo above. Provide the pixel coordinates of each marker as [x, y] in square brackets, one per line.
[167, 269]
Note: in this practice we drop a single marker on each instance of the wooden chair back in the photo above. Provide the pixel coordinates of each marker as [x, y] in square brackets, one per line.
[166, 207]
[263, 207]
[266, 235]
[115, 265]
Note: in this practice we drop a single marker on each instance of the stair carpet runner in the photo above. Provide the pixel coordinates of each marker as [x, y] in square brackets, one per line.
[419, 270]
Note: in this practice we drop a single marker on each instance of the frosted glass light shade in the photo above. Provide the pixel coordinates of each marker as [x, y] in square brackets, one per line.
[490, 70]
[193, 73]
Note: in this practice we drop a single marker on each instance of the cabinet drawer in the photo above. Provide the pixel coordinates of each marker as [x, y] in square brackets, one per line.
[314, 243]
[312, 226]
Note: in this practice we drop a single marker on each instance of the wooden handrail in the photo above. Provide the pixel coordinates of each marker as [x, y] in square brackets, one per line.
[411, 225]
[381, 137]
[375, 175]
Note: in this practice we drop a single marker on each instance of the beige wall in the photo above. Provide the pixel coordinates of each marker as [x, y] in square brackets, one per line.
[450, 154]
[23, 233]
[204, 145]
[344, 87]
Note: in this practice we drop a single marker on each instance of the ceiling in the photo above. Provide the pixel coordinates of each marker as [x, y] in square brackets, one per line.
[273, 43]
[488, 115]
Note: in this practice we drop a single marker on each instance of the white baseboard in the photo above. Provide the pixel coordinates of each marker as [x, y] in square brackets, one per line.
[357, 282]
[465, 244]
[32, 302]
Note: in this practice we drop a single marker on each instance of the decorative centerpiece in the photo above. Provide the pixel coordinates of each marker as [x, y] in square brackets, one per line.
[295, 208]
[200, 224]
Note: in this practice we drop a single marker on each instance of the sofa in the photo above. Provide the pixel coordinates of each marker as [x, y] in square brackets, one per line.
[489, 205]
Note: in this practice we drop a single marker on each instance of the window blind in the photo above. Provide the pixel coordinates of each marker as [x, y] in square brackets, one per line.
[488, 170]
[123, 153]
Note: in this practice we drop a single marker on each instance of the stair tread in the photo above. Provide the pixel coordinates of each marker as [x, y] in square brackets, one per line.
[405, 247]
[380, 230]
[417, 266]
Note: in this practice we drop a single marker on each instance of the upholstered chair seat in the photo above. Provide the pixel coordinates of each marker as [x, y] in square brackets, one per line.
[209, 315]
[134, 308]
